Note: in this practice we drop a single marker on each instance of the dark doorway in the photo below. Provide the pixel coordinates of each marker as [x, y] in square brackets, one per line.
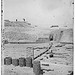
[51, 37]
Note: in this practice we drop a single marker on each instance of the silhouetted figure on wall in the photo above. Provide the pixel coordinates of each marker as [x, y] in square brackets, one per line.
[23, 19]
[16, 19]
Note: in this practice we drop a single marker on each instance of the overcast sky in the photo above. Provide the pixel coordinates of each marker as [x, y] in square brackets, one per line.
[40, 12]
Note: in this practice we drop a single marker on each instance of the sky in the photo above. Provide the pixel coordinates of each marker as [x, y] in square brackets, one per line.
[40, 12]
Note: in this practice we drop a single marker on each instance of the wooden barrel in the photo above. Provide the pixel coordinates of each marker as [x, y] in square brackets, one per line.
[15, 62]
[7, 61]
[36, 67]
[29, 62]
[22, 62]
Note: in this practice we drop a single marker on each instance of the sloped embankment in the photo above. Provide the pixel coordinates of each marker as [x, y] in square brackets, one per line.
[18, 31]
[62, 35]
[16, 36]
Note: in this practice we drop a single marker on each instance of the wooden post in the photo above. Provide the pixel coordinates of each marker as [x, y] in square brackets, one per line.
[29, 62]
[36, 67]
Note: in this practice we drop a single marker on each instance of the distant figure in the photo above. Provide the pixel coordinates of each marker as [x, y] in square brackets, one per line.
[16, 19]
[23, 19]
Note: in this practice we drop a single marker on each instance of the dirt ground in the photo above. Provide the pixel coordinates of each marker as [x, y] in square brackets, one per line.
[60, 64]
